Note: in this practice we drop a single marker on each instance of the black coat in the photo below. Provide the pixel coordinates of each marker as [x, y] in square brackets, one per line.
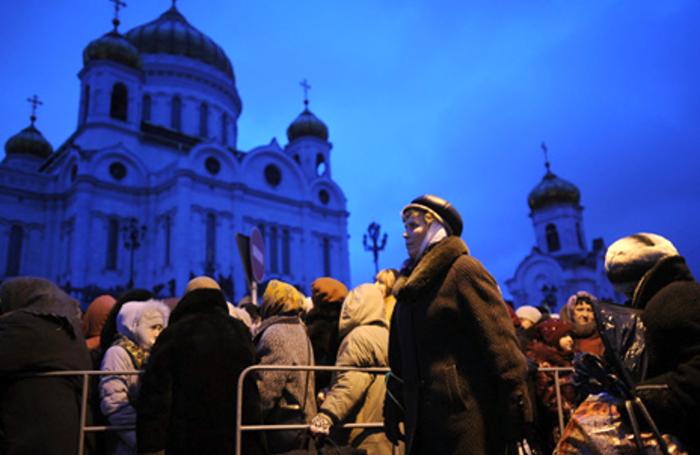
[670, 298]
[39, 415]
[454, 346]
[187, 402]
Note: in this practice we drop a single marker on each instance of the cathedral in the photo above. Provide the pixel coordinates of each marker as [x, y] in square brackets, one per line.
[150, 189]
[560, 263]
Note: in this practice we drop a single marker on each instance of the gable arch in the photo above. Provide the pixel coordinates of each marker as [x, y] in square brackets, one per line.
[229, 167]
[259, 171]
[107, 164]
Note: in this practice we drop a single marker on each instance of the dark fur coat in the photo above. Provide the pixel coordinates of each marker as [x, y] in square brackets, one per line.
[187, 403]
[454, 346]
[670, 297]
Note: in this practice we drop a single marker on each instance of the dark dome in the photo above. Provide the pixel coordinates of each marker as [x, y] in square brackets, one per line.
[553, 190]
[113, 46]
[172, 34]
[29, 141]
[307, 124]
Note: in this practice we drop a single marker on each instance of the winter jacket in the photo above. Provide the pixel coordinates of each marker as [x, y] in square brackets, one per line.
[670, 298]
[356, 397]
[187, 402]
[286, 396]
[39, 332]
[453, 345]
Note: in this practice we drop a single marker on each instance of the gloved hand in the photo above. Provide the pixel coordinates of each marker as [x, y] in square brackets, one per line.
[393, 416]
[321, 424]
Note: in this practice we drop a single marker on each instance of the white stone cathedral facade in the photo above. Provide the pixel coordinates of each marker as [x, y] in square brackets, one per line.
[560, 263]
[154, 163]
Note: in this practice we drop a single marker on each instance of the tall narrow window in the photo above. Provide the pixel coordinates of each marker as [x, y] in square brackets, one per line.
[14, 251]
[224, 128]
[326, 257]
[119, 105]
[285, 252]
[85, 108]
[203, 120]
[579, 234]
[274, 265]
[168, 224]
[112, 244]
[211, 240]
[553, 243]
[146, 108]
[176, 113]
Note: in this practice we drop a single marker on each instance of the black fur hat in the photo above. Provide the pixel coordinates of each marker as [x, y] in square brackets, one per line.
[445, 213]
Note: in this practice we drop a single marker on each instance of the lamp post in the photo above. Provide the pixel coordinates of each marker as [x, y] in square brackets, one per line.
[377, 245]
[133, 235]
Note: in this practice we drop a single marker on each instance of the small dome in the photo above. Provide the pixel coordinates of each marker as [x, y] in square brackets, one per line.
[553, 190]
[307, 124]
[172, 34]
[29, 141]
[113, 46]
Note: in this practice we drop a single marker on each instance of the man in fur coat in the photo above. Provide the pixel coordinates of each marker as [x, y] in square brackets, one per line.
[458, 376]
[649, 271]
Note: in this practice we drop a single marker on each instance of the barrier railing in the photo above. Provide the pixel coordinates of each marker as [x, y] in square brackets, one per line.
[84, 428]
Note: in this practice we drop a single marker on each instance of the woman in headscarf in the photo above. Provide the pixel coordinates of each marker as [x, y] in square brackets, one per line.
[579, 313]
[39, 332]
[138, 325]
[287, 397]
[93, 321]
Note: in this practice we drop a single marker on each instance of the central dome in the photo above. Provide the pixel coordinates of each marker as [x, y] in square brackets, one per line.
[553, 190]
[172, 34]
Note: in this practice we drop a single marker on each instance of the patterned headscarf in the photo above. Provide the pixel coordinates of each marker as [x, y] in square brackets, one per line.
[281, 298]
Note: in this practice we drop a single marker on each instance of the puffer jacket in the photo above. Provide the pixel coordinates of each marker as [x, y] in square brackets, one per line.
[357, 397]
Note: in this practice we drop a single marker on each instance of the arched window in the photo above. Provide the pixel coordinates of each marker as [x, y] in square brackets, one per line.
[203, 120]
[176, 113]
[119, 105]
[285, 251]
[553, 243]
[211, 240]
[326, 257]
[274, 266]
[146, 108]
[14, 251]
[85, 108]
[112, 244]
[224, 128]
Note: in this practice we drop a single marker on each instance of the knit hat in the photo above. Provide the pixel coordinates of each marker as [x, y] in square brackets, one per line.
[201, 282]
[442, 210]
[628, 259]
[327, 290]
[530, 313]
[552, 330]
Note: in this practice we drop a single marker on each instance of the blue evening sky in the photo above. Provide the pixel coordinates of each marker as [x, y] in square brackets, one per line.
[430, 96]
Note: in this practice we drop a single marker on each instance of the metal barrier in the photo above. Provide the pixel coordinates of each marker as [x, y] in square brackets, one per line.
[239, 410]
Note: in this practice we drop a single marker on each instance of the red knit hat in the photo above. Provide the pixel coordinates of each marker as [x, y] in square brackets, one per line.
[552, 330]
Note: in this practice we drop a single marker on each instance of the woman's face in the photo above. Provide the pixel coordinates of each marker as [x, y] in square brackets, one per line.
[566, 343]
[416, 230]
[583, 313]
[148, 331]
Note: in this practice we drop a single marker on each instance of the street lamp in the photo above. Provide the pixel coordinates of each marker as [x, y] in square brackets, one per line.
[376, 246]
[133, 235]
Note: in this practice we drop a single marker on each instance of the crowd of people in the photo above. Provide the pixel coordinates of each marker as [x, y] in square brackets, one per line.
[467, 373]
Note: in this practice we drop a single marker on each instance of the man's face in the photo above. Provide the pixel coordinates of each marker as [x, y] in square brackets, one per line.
[416, 230]
[583, 313]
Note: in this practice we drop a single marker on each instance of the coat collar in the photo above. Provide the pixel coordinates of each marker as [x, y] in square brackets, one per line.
[430, 270]
[665, 272]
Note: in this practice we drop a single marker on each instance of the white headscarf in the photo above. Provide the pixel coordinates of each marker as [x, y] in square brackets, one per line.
[436, 233]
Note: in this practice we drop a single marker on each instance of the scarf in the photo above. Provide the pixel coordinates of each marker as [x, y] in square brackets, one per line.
[138, 355]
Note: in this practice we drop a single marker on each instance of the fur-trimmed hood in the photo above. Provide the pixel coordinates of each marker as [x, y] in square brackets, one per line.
[413, 283]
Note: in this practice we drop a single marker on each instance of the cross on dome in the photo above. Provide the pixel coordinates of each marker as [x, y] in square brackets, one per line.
[307, 87]
[34, 101]
[117, 4]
